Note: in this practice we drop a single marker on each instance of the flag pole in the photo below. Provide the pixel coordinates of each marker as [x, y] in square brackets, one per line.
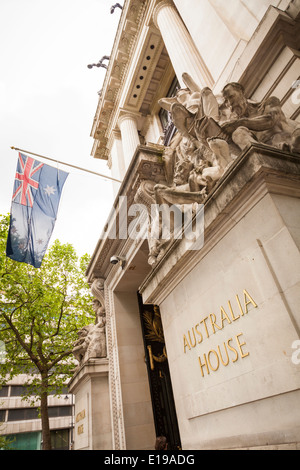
[67, 164]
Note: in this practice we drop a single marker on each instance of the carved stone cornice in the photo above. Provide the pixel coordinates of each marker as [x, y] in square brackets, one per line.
[131, 17]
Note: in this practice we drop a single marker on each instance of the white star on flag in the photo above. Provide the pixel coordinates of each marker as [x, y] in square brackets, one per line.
[49, 190]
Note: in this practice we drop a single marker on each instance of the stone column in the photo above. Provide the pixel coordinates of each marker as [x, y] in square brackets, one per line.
[130, 137]
[181, 48]
[116, 159]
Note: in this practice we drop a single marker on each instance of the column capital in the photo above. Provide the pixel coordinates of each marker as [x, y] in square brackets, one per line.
[127, 115]
[183, 53]
[160, 6]
[114, 135]
[128, 123]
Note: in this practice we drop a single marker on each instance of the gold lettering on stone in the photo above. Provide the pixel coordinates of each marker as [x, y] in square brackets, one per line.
[211, 324]
[231, 350]
[80, 429]
[211, 361]
[80, 416]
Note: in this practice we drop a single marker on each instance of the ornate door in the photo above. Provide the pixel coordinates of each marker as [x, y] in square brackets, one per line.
[163, 405]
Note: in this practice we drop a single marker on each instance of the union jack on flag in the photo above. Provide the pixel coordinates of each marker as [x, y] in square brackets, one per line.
[35, 201]
[25, 181]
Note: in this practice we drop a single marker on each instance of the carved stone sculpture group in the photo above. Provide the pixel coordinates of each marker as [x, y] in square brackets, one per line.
[212, 133]
[91, 341]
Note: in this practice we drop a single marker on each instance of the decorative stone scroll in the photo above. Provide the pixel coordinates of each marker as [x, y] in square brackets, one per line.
[91, 341]
[212, 133]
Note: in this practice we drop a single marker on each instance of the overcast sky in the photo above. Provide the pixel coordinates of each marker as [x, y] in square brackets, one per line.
[48, 99]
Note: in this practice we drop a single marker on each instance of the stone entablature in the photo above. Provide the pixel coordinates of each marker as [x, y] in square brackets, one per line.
[114, 80]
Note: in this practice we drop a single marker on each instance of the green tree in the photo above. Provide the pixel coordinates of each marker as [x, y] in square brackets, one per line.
[41, 311]
[5, 442]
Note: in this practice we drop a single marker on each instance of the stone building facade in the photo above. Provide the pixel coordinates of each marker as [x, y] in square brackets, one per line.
[199, 109]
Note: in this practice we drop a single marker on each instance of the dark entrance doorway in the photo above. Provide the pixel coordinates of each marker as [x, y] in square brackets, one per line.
[163, 405]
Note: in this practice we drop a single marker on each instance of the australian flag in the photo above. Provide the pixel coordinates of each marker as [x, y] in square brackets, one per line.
[36, 195]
